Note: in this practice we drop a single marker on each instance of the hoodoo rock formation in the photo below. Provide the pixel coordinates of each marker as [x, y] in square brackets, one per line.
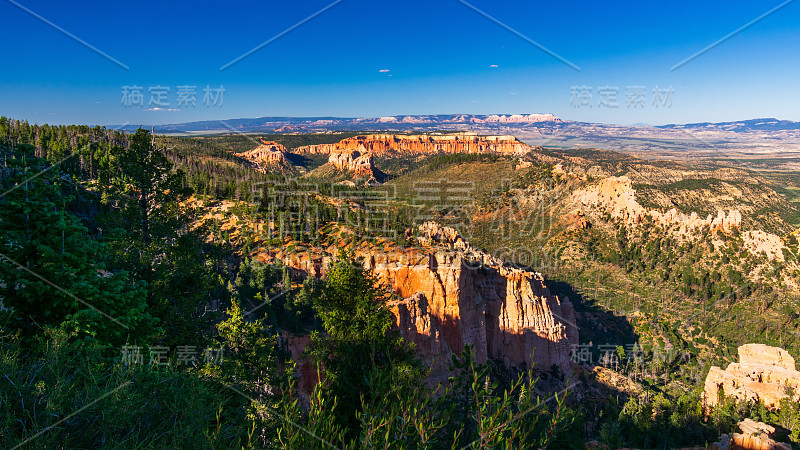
[398, 144]
[763, 373]
[266, 156]
[453, 295]
[358, 162]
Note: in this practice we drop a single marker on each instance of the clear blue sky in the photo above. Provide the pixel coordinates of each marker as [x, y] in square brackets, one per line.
[443, 57]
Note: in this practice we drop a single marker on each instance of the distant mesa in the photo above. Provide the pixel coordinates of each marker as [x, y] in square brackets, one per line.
[422, 144]
[462, 119]
[741, 126]
[354, 156]
[429, 122]
[536, 124]
[517, 118]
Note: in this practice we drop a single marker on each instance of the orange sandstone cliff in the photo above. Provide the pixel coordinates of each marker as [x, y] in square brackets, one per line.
[398, 144]
[450, 294]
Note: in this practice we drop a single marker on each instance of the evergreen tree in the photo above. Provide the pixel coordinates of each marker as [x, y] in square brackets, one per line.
[150, 178]
[358, 342]
[53, 273]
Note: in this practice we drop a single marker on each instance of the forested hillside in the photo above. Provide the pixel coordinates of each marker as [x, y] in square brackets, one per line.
[139, 310]
[124, 326]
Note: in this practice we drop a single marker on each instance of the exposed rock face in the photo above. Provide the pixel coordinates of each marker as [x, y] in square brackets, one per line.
[266, 156]
[380, 144]
[757, 241]
[762, 373]
[306, 370]
[504, 313]
[358, 162]
[454, 295]
[617, 196]
[755, 436]
[413, 319]
[753, 354]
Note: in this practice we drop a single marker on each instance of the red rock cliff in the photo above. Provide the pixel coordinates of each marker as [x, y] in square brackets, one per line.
[398, 144]
[454, 295]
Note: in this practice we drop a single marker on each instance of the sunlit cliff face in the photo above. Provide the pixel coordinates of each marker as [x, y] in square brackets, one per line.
[451, 295]
[379, 144]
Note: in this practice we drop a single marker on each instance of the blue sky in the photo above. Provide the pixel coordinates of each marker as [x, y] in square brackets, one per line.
[441, 56]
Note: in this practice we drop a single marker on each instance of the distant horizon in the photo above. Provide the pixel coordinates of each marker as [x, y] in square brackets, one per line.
[145, 125]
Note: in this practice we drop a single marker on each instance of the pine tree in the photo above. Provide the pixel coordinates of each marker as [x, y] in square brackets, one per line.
[53, 273]
[150, 178]
[359, 343]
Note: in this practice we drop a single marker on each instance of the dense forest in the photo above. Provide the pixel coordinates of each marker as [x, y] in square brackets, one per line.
[124, 326]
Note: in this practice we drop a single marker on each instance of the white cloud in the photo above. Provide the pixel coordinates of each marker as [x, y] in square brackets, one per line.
[383, 70]
[161, 109]
[494, 66]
